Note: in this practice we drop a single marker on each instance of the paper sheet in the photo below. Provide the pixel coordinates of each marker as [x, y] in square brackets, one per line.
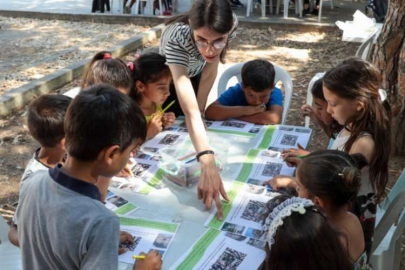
[170, 136]
[234, 127]
[280, 137]
[148, 235]
[217, 250]
[118, 204]
[243, 215]
[147, 175]
[262, 165]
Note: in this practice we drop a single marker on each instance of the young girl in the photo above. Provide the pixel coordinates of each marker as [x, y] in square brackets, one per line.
[152, 78]
[105, 69]
[301, 238]
[351, 91]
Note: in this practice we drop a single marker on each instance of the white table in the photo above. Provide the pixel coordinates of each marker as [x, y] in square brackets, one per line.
[180, 205]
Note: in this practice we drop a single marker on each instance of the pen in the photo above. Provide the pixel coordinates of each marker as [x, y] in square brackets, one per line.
[301, 157]
[138, 257]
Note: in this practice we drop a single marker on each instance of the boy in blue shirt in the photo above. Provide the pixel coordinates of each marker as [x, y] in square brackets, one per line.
[63, 223]
[255, 100]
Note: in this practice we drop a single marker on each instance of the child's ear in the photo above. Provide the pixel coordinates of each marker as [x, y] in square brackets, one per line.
[109, 153]
[62, 143]
[318, 202]
[359, 105]
[140, 86]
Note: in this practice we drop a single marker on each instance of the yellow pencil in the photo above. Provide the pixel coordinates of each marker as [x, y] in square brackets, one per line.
[138, 257]
[167, 107]
[129, 170]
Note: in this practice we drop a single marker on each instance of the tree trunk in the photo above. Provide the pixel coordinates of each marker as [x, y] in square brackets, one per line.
[389, 58]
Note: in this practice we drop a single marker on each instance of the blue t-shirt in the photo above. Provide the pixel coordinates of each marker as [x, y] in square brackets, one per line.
[234, 96]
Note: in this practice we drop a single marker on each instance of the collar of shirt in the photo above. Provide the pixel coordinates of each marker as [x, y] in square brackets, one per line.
[74, 184]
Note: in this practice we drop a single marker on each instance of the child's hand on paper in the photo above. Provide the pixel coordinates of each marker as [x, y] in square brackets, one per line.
[251, 110]
[168, 119]
[155, 126]
[152, 261]
[291, 156]
[280, 181]
[124, 238]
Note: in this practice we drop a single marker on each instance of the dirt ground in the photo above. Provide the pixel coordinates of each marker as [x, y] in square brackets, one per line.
[31, 49]
[301, 54]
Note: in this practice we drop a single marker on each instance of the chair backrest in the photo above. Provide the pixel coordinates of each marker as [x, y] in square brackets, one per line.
[309, 94]
[281, 75]
[396, 189]
[365, 48]
[393, 216]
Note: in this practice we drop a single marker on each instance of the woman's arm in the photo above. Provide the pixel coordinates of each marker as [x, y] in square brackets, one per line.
[210, 184]
[207, 80]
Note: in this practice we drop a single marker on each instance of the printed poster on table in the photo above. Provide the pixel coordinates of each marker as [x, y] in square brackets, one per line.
[147, 175]
[148, 235]
[262, 165]
[244, 213]
[119, 205]
[278, 138]
[222, 250]
[170, 136]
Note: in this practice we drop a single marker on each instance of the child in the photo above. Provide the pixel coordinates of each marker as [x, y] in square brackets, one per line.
[300, 237]
[60, 209]
[320, 116]
[255, 100]
[45, 123]
[356, 105]
[105, 69]
[152, 80]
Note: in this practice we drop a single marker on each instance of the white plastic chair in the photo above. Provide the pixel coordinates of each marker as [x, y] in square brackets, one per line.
[309, 94]
[149, 7]
[10, 255]
[298, 8]
[365, 48]
[281, 75]
[249, 8]
[390, 224]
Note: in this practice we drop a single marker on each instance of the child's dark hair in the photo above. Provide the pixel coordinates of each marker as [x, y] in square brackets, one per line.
[306, 241]
[317, 92]
[149, 67]
[217, 15]
[258, 75]
[332, 175]
[45, 119]
[356, 79]
[103, 69]
[100, 117]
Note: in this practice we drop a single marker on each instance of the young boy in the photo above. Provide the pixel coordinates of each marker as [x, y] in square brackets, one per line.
[255, 100]
[62, 222]
[45, 123]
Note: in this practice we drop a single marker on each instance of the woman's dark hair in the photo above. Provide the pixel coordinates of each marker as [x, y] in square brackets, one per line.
[100, 117]
[149, 67]
[317, 92]
[103, 69]
[356, 79]
[332, 175]
[306, 242]
[217, 15]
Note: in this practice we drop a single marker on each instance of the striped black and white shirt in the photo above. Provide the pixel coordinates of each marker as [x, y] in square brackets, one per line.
[179, 47]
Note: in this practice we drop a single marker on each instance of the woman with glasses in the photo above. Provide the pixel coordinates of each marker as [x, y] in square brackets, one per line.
[194, 43]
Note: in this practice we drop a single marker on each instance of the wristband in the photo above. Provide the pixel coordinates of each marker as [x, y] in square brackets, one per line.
[204, 153]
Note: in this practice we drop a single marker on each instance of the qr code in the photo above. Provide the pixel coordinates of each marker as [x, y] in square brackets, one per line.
[272, 169]
[229, 260]
[233, 124]
[289, 140]
[131, 247]
[254, 211]
[169, 139]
